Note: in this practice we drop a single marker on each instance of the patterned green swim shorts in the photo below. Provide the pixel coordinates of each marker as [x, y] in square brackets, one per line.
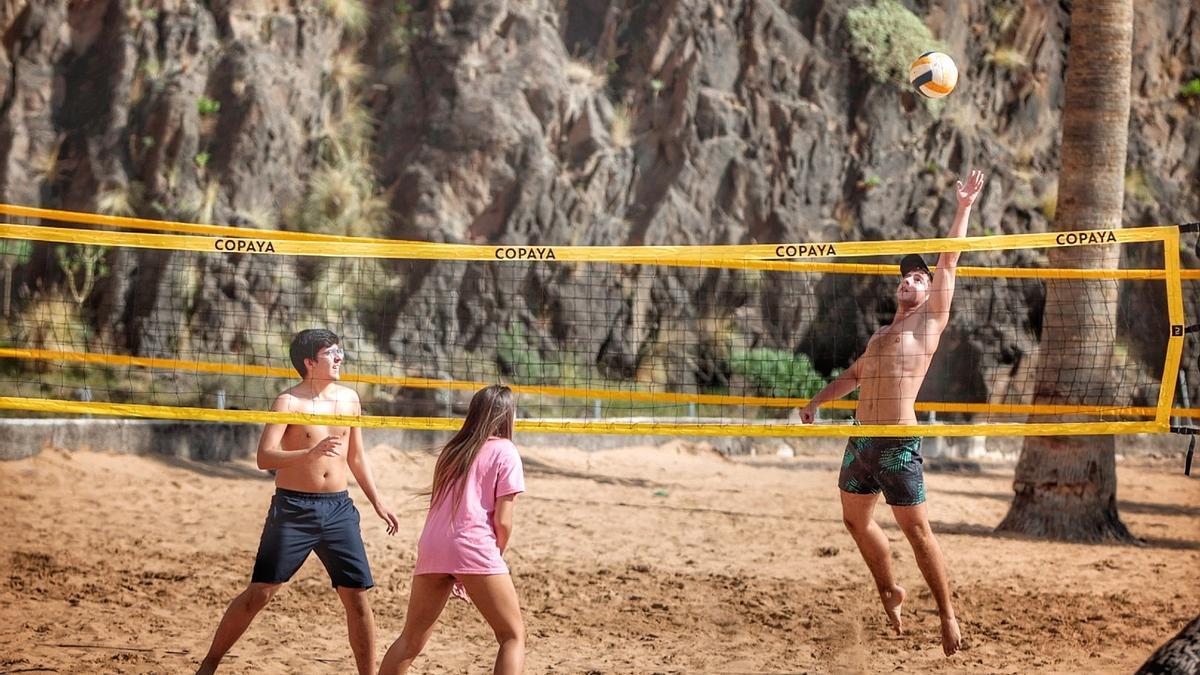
[892, 465]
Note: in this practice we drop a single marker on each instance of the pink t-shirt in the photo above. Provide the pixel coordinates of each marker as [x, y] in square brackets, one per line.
[464, 542]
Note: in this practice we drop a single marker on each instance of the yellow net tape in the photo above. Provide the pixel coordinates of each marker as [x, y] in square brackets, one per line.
[778, 257]
[646, 255]
[82, 218]
[579, 426]
[117, 360]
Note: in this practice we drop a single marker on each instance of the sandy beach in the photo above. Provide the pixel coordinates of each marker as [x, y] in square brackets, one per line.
[670, 559]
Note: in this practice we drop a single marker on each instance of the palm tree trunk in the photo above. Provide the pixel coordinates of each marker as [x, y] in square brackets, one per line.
[1065, 486]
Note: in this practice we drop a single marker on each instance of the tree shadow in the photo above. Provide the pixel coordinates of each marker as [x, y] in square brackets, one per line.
[794, 464]
[938, 465]
[687, 509]
[536, 467]
[227, 469]
[955, 466]
[989, 532]
[1143, 508]
[1140, 508]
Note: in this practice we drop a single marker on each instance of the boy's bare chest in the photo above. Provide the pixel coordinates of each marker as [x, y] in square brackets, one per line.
[317, 431]
[308, 434]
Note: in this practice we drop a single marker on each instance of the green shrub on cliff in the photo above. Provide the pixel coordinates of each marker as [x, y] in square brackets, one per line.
[777, 373]
[522, 361]
[885, 38]
[207, 106]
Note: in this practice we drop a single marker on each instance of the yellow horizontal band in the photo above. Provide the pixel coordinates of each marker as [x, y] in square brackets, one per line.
[121, 361]
[579, 426]
[83, 218]
[963, 271]
[762, 265]
[86, 218]
[620, 254]
[666, 398]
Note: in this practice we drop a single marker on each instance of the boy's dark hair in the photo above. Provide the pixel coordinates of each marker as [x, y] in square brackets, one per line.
[307, 343]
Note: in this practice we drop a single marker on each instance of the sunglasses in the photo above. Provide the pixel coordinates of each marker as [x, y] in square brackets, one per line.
[334, 353]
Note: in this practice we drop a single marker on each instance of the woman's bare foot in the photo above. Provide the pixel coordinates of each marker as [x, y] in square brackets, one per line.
[892, 599]
[951, 636]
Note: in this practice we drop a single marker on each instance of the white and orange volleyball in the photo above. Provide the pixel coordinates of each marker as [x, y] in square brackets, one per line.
[933, 74]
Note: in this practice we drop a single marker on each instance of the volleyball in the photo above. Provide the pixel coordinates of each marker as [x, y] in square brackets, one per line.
[933, 74]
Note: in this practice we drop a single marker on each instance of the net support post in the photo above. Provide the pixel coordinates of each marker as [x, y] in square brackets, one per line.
[1175, 318]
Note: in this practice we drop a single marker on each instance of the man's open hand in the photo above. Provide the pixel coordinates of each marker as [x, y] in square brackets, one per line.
[969, 192]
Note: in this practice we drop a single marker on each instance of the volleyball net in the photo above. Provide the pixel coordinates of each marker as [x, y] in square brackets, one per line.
[186, 321]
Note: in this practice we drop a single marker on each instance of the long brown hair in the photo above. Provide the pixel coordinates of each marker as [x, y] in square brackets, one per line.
[491, 413]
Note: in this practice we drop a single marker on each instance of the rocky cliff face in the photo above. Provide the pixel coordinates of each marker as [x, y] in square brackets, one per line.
[583, 122]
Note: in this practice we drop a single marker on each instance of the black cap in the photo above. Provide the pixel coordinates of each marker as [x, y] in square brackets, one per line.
[911, 262]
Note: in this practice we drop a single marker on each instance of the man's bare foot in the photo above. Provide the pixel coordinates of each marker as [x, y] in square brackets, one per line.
[951, 636]
[206, 668]
[892, 599]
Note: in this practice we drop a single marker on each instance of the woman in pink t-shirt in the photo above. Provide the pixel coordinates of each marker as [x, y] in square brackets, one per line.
[475, 482]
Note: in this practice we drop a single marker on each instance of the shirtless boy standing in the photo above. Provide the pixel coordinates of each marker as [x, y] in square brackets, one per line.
[312, 509]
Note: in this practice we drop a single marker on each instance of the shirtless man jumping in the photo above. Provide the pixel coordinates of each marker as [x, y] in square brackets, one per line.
[889, 374]
[311, 509]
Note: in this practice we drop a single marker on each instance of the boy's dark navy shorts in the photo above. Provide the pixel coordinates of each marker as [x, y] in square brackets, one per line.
[301, 522]
[890, 465]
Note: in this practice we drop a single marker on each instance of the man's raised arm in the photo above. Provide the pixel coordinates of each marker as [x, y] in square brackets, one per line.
[941, 289]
